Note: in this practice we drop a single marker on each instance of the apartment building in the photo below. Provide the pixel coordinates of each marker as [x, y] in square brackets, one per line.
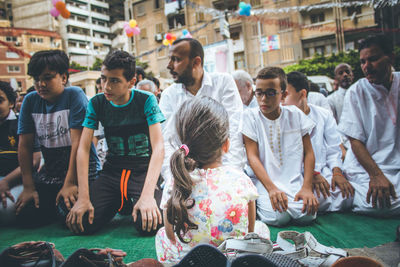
[86, 34]
[278, 38]
[16, 47]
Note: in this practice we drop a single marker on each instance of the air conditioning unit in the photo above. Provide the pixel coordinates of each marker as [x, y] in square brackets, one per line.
[18, 44]
[158, 37]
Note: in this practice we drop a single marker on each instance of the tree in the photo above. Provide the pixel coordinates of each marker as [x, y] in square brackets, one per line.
[76, 66]
[97, 64]
[325, 65]
[144, 65]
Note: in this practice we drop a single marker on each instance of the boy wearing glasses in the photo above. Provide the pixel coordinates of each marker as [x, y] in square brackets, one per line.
[277, 144]
[54, 114]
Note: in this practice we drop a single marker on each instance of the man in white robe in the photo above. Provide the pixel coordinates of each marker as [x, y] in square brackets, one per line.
[370, 120]
[332, 188]
[191, 80]
[245, 85]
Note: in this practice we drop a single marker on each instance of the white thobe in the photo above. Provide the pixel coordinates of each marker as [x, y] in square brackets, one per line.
[280, 147]
[222, 88]
[371, 115]
[336, 102]
[253, 104]
[318, 99]
[325, 140]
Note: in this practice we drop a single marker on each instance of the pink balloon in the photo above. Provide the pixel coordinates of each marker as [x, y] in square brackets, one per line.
[54, 12]
[55, 2]
[126, 24]
[136, 30]
[129, 31]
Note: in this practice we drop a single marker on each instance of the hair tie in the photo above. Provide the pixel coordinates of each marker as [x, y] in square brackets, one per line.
[185, 147]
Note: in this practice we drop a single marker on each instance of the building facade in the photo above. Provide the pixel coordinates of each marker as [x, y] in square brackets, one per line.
[271, 39]
[16, 47]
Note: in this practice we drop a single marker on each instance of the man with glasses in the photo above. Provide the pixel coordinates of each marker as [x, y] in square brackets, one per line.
[54, 114]
[370, 119]
[277, 144]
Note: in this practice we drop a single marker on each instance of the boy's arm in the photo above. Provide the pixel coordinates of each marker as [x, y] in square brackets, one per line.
[14, 178]
[380, 188]
[251, 215]
[279, 200]
[310, 202]
[146, 204]
[83, 205]
[25, 158]
[69, 191]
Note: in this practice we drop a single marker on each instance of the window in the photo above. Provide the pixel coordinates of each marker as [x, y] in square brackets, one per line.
[13, 69]
[284, 24]
[320, 50]
[255, 29]
[11, 39]
[255, 3]
[353, 9]
[239, 60]
[19, 84]
[157, 4]
[235, 35]
[287, 54]
[315, 18]
[143, 33]
[141, 9]
[176, 21]
[200, 16]
[10, 54]
[159, 28]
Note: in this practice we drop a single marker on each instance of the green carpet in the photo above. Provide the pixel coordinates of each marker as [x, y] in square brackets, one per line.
[338, 230]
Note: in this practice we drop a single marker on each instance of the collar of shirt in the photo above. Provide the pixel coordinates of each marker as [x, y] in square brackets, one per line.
[11, 116]
[342, 91]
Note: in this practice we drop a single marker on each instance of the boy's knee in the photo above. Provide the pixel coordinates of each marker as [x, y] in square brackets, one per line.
[138, 226]
[274, 218]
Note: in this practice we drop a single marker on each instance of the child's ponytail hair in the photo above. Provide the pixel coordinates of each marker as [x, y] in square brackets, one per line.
[202, 125]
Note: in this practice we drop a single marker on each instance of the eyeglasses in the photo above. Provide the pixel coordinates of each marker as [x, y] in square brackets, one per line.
[267, 93]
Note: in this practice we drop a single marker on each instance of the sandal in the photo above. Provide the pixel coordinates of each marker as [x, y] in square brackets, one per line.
[306, 244]
[203, 255]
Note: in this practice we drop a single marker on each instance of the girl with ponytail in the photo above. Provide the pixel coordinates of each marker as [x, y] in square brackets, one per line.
[206, 201]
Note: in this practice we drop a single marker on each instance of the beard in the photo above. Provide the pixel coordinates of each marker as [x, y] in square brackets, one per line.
[186, 78]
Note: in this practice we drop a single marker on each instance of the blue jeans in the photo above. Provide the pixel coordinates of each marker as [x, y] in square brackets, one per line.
[7, 215]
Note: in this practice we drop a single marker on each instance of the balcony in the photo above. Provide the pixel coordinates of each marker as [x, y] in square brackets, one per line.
[101, 40]
[100, 16]
[78, 50]
[99, 3]
[76, 36]
[230, 4]
[78, 10]
[360, 21]
[318, 29]
[117, 26]
[119, 41]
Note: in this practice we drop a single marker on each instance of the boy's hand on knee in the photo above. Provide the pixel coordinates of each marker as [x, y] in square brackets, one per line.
[321, 185]
[380, 190]
[279, 200]
[68, 193]
[25, 197]
[149, 211]
[345, 187]
[5, 193]
[74, 217]
[310, 202]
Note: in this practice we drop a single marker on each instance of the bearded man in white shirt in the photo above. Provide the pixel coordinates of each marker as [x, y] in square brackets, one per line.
[190, 81]
[370, 120]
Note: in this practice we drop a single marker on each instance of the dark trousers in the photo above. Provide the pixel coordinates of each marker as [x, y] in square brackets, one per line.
[109, 195]
[30, 216]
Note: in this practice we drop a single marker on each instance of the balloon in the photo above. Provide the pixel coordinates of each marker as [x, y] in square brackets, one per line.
[128, 31]
[60, 5]
[184, 32]
[54, 2]
[188, 35]
[54, 12]
[165, 42]
[65, 14]
[136, 30]
[173, 37]
[132, 23]
[168, 36]
[129, 34]
[242, 4]
[126, 24]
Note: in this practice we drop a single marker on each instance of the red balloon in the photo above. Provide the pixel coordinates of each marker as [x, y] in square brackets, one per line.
[168, 36]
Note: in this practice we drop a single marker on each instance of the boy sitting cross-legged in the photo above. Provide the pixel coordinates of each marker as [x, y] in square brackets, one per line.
[128, 182]
[277, 144]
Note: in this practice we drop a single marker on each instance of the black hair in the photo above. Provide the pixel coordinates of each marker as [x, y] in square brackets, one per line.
[140, 71]
[382, 41]
[119, 59]
[272, 73]
[30, 89]
[98, 81]
[8, 91]
[196, 49]
[202, 124]
[298, 80]
[155, 81]
[54, 60]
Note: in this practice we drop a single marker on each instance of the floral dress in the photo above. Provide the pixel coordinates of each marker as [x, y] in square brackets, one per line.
[221, 198]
